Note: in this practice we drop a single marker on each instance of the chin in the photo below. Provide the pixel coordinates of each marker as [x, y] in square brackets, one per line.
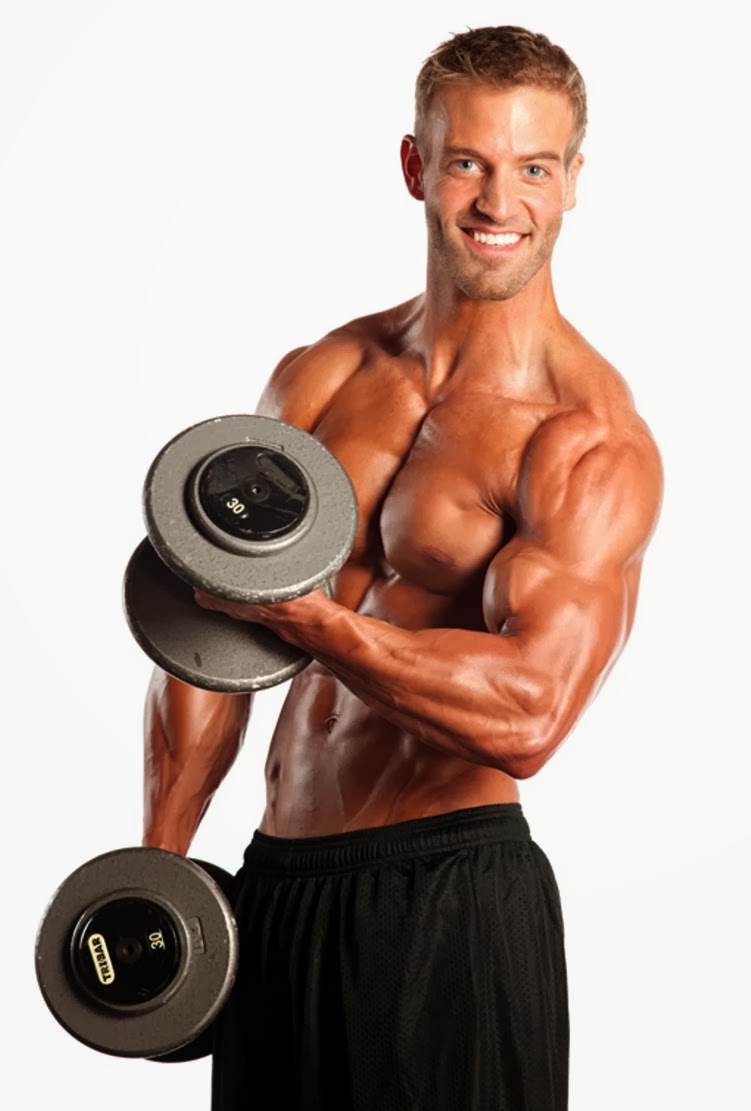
[484, 290]
[494, 282]
[490, 285]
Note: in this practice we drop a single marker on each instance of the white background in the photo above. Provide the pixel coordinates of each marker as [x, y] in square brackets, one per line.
[189, 190]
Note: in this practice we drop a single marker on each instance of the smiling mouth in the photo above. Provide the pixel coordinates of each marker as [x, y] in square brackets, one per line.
[491, 239]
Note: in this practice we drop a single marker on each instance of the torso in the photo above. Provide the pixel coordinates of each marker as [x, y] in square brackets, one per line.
[436, 478]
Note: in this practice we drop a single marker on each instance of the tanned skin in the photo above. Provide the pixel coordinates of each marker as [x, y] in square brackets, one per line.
[507, 491]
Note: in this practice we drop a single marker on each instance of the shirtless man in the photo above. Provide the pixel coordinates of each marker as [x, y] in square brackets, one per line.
[401, 934]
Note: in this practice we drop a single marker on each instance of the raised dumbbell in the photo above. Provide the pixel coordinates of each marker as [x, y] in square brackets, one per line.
[249, 509]
[137, 953]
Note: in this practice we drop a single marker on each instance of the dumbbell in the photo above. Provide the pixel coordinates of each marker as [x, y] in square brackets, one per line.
[137, 953]
[246, 508]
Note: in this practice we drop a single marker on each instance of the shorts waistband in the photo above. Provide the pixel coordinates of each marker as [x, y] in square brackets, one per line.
[458, 829]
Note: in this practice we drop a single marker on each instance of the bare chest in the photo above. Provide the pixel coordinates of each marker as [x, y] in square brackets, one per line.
[436, 485]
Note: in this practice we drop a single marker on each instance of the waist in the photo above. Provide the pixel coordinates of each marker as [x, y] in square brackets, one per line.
[417, 837]
[362, 772]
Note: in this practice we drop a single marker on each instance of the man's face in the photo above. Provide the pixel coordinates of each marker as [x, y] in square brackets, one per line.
[495, 183]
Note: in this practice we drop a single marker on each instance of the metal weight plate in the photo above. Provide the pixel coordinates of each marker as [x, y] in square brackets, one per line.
[203, 1045]
[200, 647]
[275, 561]
[137, 952]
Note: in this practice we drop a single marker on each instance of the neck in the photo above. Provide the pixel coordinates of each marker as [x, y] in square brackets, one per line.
[451, 330]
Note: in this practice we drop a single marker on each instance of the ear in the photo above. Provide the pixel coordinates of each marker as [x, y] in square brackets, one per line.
[572, 173]
[412, 167]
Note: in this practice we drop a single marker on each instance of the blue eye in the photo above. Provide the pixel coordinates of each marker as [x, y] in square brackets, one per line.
[466, 163]
[536, 171]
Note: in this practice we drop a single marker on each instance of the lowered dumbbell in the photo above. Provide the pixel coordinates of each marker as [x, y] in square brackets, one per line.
[246, 508]
[137, 953]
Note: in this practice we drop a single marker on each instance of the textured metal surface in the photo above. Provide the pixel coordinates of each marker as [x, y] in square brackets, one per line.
[207, 649]
[203, 648]
[285, 571]
[208, 936]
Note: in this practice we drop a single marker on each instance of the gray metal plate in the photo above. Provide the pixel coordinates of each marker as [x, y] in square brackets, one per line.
[198, 646]
[208, 937]
[284, 572]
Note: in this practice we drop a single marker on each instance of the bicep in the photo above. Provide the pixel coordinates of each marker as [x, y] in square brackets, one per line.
[567, 626]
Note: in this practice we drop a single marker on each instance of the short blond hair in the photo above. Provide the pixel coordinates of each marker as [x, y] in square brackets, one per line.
[503, 57]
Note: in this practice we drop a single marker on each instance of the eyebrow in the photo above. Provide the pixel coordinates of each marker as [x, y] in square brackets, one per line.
[538, 156]
[541, 156]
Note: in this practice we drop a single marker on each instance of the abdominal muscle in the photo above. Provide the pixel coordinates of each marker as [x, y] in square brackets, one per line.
[335, 764]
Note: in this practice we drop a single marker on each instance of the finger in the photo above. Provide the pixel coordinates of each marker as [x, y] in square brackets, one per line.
[206, 601]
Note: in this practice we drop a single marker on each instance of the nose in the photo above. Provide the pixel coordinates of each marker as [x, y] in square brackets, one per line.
[498, 201]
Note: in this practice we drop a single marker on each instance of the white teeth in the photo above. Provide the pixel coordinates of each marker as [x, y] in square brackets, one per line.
[503, 240]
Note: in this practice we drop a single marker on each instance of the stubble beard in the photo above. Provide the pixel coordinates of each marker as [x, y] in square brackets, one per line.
[497, 279]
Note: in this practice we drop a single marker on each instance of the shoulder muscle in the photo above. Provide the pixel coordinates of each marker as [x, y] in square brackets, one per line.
[590, 494]
[306, 380]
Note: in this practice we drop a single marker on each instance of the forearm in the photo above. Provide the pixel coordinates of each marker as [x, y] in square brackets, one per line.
[470, 694]
[191, 740]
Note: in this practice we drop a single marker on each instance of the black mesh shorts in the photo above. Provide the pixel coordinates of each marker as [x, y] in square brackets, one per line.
[415, 967]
